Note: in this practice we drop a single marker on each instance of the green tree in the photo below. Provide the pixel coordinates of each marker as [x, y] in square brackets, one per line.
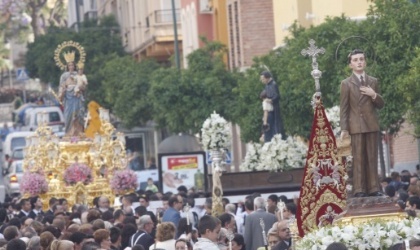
[182, 100]
[409, 87]
[392, 26]
[126, 84]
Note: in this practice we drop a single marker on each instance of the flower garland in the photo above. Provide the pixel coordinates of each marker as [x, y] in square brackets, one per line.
[372, 235]
[276, 155]
[78, 172]
[123, 180]
[215, 133]
[33, 183]
[333, 116]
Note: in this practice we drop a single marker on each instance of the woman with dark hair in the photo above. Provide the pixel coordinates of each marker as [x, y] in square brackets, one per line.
[183, 228]
[126, 232]
[183, 244]
[238, 242]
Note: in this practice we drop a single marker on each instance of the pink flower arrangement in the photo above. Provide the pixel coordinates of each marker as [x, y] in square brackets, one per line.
[123, 180]
[33, 183]
[78, 172]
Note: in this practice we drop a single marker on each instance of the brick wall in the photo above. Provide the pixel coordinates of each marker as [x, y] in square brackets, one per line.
[257, 26]
[405, 148]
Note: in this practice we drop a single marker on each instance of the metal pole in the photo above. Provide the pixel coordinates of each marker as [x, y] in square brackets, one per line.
[77, 16]
[175, 36]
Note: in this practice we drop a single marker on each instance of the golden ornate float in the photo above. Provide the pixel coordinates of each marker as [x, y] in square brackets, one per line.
[48, 154]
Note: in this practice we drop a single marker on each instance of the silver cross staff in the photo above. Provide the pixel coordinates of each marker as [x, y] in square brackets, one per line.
[262, 224]
[280, 207]
[230, 236]
[313, 52]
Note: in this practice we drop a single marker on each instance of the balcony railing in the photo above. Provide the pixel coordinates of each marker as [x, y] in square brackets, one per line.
[165, 16]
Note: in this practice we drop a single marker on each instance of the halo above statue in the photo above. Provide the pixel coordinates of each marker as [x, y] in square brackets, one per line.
[69, 55]
[348, 44]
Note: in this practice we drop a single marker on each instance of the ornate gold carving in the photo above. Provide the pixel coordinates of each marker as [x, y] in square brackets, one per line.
[69, 56]
[46, 152]
[363, 219]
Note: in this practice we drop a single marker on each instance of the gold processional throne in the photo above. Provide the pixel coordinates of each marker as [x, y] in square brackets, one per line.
[47, 154]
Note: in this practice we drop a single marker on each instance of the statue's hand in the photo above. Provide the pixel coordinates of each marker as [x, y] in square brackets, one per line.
[344, 134]
[368, 91]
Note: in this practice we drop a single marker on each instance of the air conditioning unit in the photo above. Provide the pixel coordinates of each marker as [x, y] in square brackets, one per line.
[205, 7]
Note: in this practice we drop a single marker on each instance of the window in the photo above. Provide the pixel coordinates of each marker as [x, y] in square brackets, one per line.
[135, 152]
[18, 142]
[237, 34]
[54, 117]
[19, 168]
[231, 36]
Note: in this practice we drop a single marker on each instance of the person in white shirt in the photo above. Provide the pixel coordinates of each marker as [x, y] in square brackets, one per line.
[209, 229]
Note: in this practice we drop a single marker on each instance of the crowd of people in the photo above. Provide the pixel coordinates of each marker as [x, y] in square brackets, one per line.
[135, 225]
[179, 224]
[404, 189]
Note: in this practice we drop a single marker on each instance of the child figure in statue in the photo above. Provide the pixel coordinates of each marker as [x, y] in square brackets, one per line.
[267, 106]
[81, 80]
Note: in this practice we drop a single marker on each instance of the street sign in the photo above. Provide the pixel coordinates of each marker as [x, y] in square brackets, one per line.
[21, 74]
[228, 157]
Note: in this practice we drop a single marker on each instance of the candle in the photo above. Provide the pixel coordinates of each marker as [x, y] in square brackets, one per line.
[281, 206]
[187, 213]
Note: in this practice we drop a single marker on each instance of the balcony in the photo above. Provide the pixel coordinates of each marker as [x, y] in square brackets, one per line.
[158, 35]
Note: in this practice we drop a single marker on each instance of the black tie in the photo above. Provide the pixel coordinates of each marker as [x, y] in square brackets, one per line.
[362, 82]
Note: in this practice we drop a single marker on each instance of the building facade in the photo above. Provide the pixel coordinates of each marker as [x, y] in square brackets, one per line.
[312, 12]
[146, 26]
[405, 149]
[196, 22]
[80, 10]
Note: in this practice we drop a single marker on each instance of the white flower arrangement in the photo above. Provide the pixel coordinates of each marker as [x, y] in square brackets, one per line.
[276, 155]
[372, 235]
[215, 133]
[252, 157]
[333, 115]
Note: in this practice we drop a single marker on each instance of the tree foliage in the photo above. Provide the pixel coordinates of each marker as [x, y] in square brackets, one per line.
[408, 85]
[393, 28]
[182, 100]
[126, 84]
